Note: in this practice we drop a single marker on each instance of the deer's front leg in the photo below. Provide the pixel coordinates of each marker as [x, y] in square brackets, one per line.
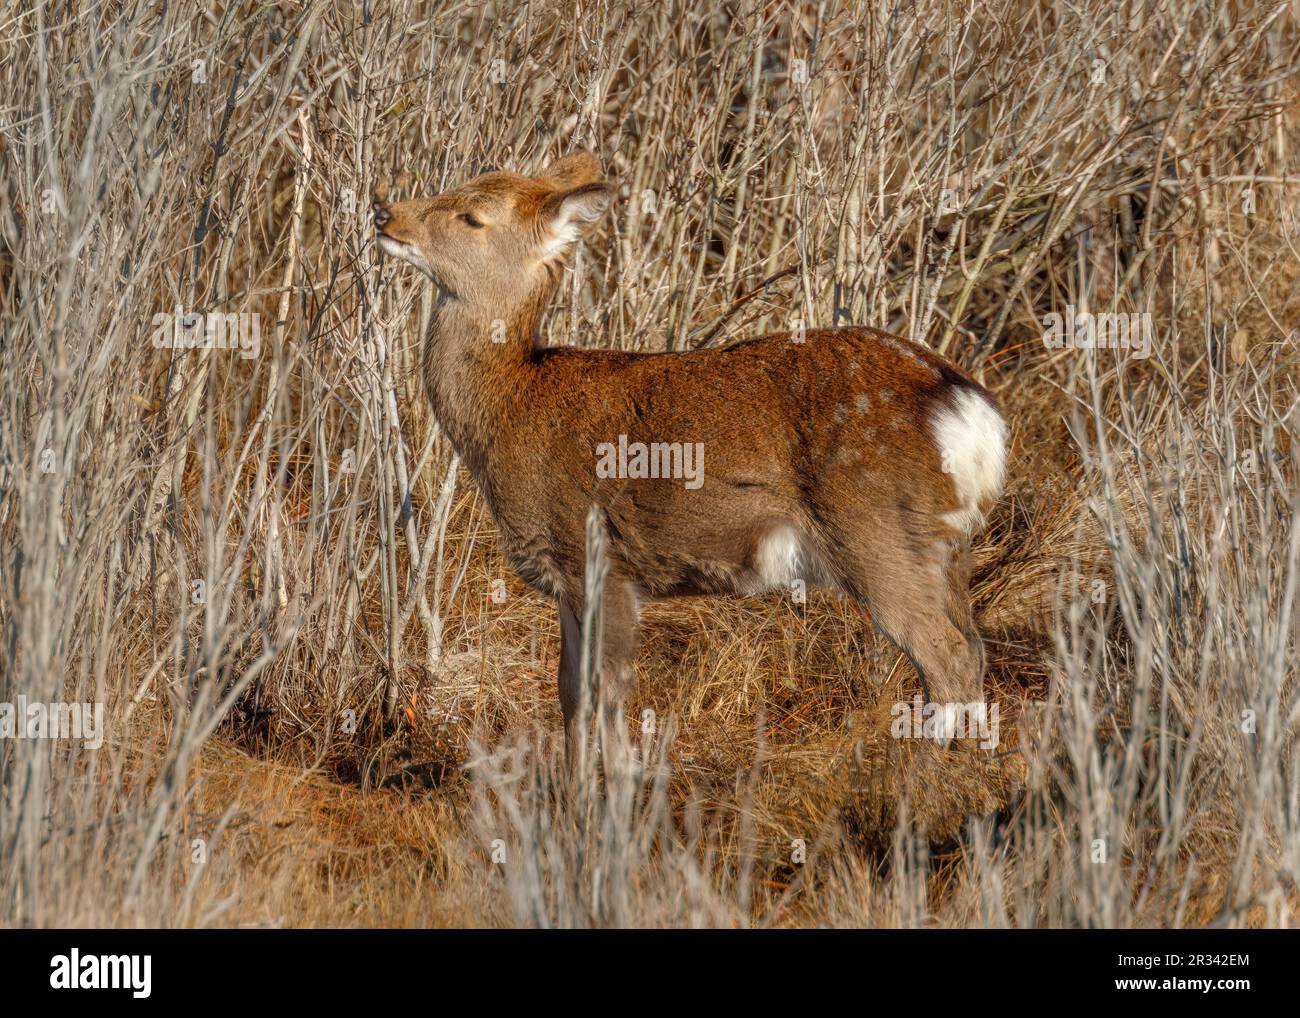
[570, 679]
[617, 642]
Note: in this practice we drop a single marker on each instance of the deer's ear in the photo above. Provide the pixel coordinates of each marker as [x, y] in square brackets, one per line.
[572, 171]
[565, 215]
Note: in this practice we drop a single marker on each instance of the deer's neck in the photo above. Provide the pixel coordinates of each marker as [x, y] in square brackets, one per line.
[476, 367]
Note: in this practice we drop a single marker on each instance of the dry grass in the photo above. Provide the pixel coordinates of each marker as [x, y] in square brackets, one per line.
[951, 174]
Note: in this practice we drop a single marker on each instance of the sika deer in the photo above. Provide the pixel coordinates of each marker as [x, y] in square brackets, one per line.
[854, 460]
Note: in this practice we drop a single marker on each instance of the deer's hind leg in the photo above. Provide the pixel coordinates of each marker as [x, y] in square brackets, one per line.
[916, 586]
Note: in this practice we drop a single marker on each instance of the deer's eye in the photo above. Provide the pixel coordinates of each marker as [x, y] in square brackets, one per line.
[470, 220]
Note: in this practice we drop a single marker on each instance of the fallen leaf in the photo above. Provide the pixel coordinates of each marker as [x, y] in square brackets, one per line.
[1238, 347]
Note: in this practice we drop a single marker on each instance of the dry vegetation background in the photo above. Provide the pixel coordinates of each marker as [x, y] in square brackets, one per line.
[343, 725]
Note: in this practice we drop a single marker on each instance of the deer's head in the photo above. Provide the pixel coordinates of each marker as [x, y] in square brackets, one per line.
[496, 240]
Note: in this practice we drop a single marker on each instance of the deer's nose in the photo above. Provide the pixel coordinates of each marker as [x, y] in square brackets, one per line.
[382, 216]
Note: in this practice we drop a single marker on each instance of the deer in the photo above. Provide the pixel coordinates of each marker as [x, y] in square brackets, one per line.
[845, 459]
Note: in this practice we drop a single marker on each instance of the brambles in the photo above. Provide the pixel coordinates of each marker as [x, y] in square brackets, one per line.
[268, 571]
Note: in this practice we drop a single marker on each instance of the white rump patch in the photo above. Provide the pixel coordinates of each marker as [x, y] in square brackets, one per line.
[972, 440]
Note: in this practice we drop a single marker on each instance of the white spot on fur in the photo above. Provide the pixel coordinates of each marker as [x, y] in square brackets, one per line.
[972, 440]
[406, 252]
[778, 557]
[575, 213]
[863, 403]
[909, 351]
[562, 235]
